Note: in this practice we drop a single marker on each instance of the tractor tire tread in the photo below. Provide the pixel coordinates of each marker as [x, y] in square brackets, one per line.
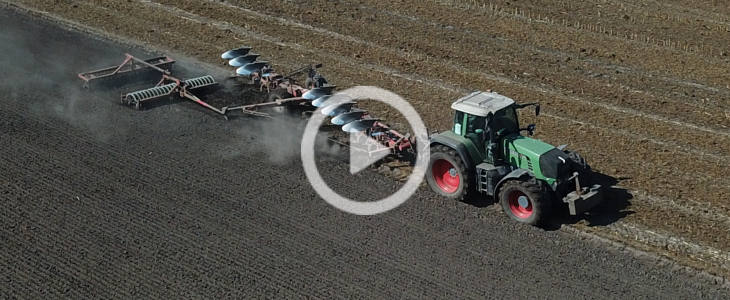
[538, 196]
[467, 188]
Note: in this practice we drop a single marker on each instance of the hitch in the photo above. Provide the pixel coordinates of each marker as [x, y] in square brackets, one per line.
[582, 199]
[577, 183]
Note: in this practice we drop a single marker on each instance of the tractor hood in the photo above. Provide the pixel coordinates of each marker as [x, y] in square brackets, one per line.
[542, 159]
[528, 146]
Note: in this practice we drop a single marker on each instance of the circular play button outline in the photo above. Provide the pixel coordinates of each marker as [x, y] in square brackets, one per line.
[414, 179]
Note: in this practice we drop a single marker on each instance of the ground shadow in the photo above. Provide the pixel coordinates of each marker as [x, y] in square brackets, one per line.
[615, 205]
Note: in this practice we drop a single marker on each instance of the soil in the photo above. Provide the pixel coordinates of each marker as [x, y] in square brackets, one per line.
[166, 183]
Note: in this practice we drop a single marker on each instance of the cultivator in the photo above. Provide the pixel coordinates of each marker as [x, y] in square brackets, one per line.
[167, 86]
[131, 66]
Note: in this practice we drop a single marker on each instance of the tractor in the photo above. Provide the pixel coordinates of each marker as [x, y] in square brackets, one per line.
[485, 155]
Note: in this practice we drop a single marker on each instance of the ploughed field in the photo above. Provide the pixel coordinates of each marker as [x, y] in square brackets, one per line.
[639, 89]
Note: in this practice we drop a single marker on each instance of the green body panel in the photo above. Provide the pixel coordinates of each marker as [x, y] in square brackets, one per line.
[524, 152]
[474, 152]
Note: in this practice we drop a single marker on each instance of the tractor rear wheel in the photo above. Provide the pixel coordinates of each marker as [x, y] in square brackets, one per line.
[525, 201]
[447, 175]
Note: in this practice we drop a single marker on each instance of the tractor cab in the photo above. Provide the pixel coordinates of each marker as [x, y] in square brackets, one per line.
[484, 118]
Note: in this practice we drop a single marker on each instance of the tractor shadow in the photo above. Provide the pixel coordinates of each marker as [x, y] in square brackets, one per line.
[615, 205]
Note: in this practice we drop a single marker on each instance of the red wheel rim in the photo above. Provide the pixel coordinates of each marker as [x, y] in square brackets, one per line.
[445, 175]
[520, 204]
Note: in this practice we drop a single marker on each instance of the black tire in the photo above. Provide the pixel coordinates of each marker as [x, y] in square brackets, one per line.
[580, 165]
[458, 183]
[279, 94]
[537, 210]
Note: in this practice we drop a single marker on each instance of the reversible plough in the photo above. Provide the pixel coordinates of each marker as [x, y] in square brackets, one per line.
[283, 90]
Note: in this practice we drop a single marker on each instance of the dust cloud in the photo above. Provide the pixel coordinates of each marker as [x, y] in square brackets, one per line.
[38, 70]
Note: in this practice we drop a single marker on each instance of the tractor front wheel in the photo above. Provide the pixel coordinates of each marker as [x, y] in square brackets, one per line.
[525, 201]
[447, 175]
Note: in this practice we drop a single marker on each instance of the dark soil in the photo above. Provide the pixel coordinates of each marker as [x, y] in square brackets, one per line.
[104, 201]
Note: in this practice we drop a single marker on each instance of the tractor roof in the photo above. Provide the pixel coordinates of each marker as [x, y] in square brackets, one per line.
[482, 103]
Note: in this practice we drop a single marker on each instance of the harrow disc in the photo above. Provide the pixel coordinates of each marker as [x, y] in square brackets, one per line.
[231, 54]
[243, 60]
[348, 117]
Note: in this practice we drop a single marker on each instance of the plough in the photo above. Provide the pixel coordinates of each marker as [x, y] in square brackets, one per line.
[283, 89]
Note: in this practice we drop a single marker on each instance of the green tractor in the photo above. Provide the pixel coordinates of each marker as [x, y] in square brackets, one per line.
[485, 155]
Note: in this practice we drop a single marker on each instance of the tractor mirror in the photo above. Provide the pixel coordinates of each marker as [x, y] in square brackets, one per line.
[537, 110]
[531, 128]
[480, 133]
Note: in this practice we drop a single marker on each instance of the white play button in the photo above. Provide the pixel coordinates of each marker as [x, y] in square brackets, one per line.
[364, 151]
[360, 157]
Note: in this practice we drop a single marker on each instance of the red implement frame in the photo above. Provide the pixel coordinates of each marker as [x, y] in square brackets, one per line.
[130, 65]
[385, 140]
[251, 109]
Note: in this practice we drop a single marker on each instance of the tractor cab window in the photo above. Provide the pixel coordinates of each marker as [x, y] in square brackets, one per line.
[458, 119]
[506, 118]
[475, 126]
[474, 122]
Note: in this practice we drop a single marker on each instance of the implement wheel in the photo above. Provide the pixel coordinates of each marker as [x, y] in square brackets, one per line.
[447, 175]
[525, 201]
[278, 94]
